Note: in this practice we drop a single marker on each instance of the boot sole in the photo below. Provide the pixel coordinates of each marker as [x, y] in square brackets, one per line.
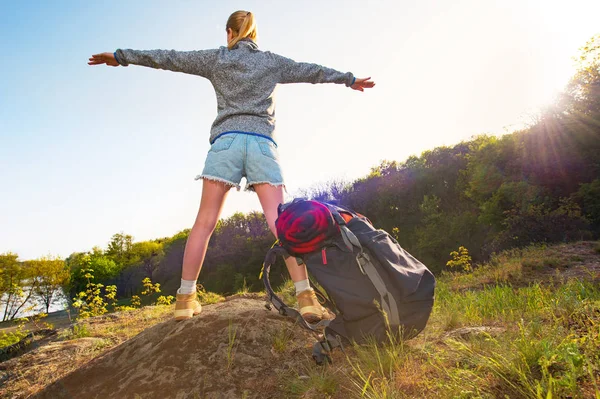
[312, 314]
[185, 314]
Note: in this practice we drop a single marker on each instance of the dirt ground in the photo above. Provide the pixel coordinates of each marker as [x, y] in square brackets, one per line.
[226, 352]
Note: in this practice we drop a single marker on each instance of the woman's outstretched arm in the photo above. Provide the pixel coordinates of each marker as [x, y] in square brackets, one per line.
[304, 72]
[193, 62]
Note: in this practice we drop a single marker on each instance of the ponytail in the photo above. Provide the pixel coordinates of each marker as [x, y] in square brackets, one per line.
[243, 25]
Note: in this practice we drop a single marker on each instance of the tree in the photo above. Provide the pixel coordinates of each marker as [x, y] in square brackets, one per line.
[51, 274]
[119, 250]
[582, 95]
[589, 197]
[14, 280]
[104, 267]
[150, 254]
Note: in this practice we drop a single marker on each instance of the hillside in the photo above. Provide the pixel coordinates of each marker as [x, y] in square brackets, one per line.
[524, 325]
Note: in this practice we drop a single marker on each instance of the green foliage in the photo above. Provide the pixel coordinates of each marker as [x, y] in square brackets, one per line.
[150, 288]
[38, 322]
[244, 287]
[136, 301]
[110, 295]
[92, 302]
[117, 263]
[120, 249]
[149, 254]
[104, 269]
[165, 300]
[50, 274]
[589, 197]
[207, 297]
[287, 292]
[79, 330]
[460, 260]
[10, 338]
[582, 95]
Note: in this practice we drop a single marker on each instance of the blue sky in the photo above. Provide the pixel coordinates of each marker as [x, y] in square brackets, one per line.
[86, 152]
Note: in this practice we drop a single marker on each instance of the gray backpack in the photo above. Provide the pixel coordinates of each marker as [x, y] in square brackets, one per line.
[373, 285]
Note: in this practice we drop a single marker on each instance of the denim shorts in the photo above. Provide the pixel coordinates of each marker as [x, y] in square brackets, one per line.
[236, 155]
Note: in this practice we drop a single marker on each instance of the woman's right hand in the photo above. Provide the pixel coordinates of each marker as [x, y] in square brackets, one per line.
[362, 84]
[103, 58]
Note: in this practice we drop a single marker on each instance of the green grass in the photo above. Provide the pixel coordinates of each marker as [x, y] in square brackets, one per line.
[244, 289]
[551, 347]
[282, 338]
[80, 330]
[287, 293]
[208, 298]
[313, 383]
[551, 262]
[547, 344]
[232, 344]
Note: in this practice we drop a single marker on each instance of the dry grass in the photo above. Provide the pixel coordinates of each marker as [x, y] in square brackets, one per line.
[56, 357]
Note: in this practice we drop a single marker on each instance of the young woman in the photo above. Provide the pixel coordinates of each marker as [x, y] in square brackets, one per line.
[241, 137]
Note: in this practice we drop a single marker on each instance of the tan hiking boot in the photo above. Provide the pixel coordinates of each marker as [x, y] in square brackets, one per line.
[187, 305]
[310, 308]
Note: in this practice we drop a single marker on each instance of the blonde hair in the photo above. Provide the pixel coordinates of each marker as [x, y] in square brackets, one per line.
[243, 25]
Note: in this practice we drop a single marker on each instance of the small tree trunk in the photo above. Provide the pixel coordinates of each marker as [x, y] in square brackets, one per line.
[21, 305]
[4, 318]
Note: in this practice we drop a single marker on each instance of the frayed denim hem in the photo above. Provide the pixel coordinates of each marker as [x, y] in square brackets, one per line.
[249, 186]
[220, 180]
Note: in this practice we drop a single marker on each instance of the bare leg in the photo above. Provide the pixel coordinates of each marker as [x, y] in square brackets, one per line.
[270, 197]
[213, 197]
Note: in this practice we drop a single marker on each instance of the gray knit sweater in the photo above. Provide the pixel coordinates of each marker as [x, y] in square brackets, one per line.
[244, 79]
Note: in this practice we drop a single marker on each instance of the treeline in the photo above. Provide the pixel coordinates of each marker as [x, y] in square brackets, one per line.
[539, 184]
[236, 251]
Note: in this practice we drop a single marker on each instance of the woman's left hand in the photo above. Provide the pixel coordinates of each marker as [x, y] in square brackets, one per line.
[362, 84]
[103, 58]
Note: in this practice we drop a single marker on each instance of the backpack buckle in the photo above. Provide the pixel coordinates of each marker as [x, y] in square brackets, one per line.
[362, 259]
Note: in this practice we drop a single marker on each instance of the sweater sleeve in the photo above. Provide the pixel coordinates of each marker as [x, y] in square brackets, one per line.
[199, 62]
[304, 72]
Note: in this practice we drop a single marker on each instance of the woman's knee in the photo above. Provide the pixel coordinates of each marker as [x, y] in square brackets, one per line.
[204, 226]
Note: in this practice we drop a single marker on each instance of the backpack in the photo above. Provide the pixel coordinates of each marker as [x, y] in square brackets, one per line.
[374, 287]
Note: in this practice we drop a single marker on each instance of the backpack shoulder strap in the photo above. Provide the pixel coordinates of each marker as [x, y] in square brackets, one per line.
[348, 236]
[388, 303]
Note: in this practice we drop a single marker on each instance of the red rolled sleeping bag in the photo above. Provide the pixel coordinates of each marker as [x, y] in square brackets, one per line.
[304, 227]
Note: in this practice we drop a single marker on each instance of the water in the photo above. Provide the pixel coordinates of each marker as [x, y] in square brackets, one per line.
[59, 303]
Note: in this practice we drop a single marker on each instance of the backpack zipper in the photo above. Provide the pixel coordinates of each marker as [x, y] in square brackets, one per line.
[324, 256]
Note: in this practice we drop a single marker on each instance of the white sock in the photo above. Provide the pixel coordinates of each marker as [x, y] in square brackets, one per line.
[302, 285]
[187, 287]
